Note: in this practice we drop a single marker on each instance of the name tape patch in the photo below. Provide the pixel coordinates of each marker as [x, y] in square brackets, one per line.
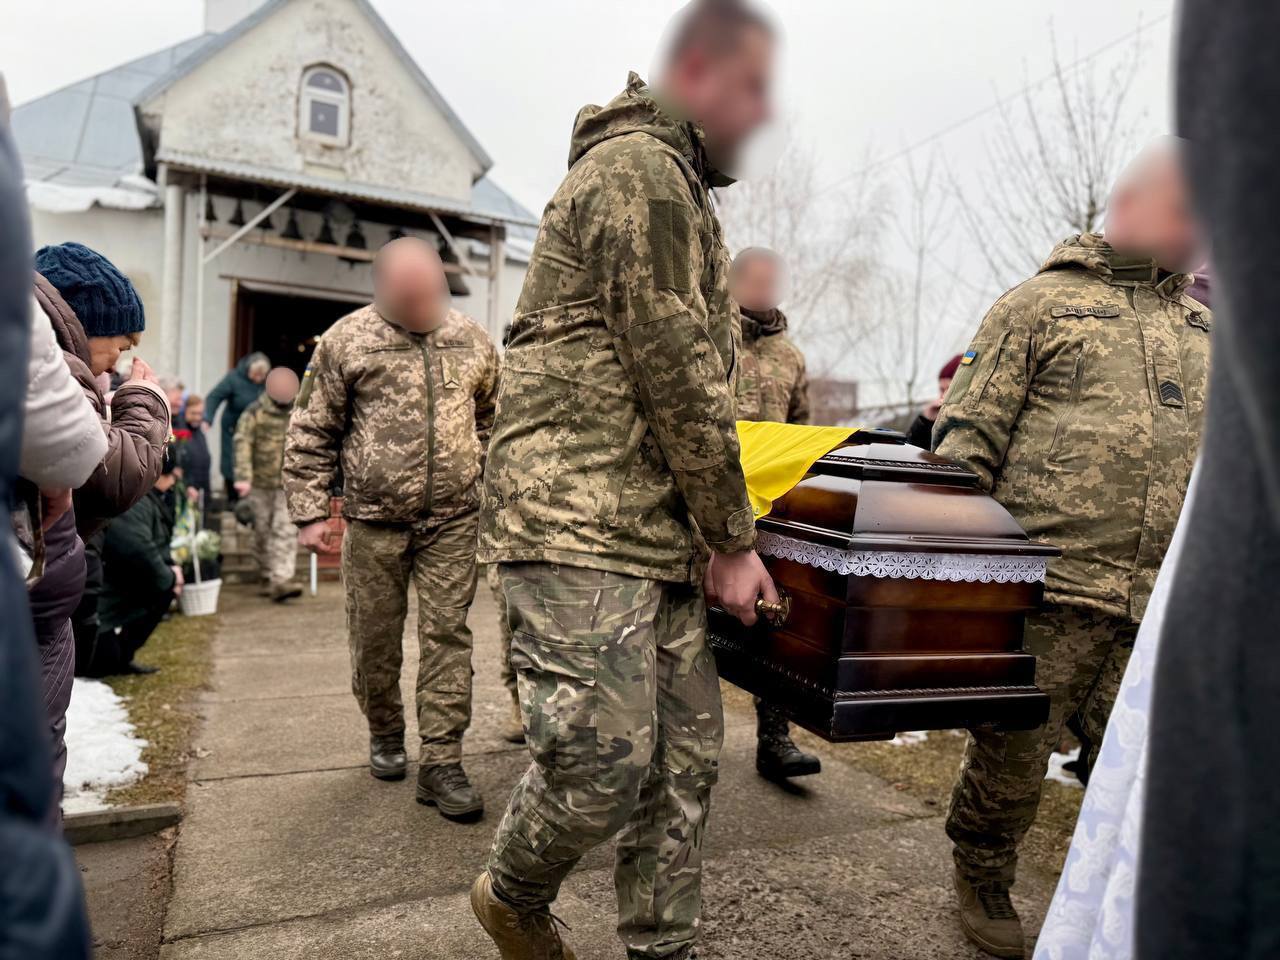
[1085, 310]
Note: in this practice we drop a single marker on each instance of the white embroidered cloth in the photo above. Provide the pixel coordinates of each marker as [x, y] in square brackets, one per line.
[1092, 913]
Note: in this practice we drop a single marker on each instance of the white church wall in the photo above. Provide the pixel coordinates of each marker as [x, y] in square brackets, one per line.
[241, 106]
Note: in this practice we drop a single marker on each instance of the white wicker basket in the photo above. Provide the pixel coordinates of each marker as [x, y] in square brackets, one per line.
[200, 599]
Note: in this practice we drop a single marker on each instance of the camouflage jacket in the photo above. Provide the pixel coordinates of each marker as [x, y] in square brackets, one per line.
[260, 432]
[407, 414]
[615, 428]
[1079, 403]
[772, 384]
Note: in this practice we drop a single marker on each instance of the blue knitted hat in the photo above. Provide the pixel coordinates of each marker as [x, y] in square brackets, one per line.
[102, 297]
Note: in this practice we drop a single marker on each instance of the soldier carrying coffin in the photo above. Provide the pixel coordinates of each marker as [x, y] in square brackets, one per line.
[1078, 404]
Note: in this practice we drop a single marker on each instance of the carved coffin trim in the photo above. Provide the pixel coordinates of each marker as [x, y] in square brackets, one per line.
[905, 565]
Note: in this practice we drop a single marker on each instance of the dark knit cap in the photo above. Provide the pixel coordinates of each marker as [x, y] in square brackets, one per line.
[105, 302]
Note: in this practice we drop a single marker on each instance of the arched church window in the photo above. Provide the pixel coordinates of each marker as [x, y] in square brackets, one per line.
[324, 106]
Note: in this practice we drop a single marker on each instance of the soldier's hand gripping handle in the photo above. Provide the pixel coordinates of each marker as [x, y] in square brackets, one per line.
[736, 580]
[317, 537]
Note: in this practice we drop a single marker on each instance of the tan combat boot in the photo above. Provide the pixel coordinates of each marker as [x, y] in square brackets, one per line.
[518, 936]
[513, 732]
[988, 917]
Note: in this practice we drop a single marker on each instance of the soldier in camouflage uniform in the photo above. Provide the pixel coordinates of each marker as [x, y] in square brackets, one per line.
[401, 392]
[259, 475]
[772, 385]
[1079, 404]
[614, 436]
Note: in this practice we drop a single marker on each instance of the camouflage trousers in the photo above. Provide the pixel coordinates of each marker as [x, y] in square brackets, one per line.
[507, 673]
[1081, 656]
[622, 711]
[379, 562]
[274, 535]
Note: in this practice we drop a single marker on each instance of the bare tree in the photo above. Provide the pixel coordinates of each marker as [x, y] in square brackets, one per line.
[829, 241]
[1052, 160]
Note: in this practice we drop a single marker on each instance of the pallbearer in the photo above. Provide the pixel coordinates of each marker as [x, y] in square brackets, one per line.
[772, 385]
[1079, 404]
[615, 436]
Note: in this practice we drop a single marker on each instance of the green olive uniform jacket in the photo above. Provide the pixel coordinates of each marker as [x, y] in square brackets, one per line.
[260, 434]
[408, 415]
[615, 429]
[772, 383]
[1079, 403]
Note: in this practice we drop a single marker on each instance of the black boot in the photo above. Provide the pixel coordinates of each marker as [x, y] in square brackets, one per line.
[777, 757]
[386, 757]
[447, 788]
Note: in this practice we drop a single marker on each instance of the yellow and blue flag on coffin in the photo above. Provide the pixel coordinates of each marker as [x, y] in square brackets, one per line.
[776, 456]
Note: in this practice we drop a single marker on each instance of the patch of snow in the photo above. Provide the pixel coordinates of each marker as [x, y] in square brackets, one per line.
[102, 749]
[910, 737]
[132, 192]
[1057, 774]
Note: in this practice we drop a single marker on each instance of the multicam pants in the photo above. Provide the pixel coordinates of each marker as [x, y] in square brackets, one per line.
[1081, 656]
[507, 674]
[622, 706]
[275, 537]
[379, 560]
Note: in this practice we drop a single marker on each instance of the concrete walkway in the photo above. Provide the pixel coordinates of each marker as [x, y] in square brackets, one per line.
[290, 850]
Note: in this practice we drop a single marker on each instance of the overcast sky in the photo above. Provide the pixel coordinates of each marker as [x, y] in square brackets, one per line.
[873, 76]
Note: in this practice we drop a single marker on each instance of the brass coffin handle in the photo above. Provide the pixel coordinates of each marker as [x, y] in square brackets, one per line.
[775, 614]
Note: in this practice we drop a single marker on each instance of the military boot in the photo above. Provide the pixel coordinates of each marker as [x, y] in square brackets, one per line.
[513, 732]
[988, 917]
[777, 757]
[280, 592]
[446, 787]
[386, 757]
[518, 936]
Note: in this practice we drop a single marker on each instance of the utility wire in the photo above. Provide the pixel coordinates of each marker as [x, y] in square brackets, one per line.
[996, 105]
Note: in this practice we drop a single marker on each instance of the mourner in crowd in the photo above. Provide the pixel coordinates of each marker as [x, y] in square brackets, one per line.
[260, 436]
[176, 394]
[401, 394]
[1078, 404]
[43, 915]
[140, 578]
[233, 394]
[920, 432]
[772, 385]
[616, 435]
[194, 459]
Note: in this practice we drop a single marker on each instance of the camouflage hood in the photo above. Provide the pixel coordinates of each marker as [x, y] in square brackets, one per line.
[762, 323]
[637, 110]
[1089, 251]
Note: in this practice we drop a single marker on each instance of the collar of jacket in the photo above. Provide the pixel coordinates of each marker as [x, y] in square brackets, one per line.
[1091, 251]
[275, 406]
[695, 146]
[762, 323]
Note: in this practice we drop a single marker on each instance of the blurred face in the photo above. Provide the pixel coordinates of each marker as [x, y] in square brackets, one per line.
[944, 384]
[104, 352]
[411, 290]
[194, 414]
[175, 397]
[282, 385]
[1151, 216]
[258, 372]
[727, 92]
[756, 283]
[165, 482]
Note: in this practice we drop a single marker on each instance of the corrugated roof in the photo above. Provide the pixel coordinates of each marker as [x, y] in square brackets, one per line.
[86, 135]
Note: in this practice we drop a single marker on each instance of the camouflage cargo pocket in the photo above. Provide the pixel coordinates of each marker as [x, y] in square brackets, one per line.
[557, 682]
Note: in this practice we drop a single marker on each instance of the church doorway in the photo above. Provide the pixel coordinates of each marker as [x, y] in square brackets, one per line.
[285, 324]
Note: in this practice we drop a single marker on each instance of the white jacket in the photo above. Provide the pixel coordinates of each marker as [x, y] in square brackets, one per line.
[62, 437]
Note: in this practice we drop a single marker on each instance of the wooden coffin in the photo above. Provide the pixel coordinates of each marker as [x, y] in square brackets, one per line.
[907, 589]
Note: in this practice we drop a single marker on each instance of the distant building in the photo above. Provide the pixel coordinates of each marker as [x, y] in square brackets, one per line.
[309, 110]
[833, 402]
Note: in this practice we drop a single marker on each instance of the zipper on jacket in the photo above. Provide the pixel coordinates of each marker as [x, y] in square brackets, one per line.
[1077, 375]
[431, 423]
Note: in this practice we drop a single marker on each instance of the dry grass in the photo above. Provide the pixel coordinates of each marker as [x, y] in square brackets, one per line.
[928, 771]
[162, 706]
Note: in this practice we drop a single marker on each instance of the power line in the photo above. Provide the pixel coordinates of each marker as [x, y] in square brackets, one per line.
[996, 105]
